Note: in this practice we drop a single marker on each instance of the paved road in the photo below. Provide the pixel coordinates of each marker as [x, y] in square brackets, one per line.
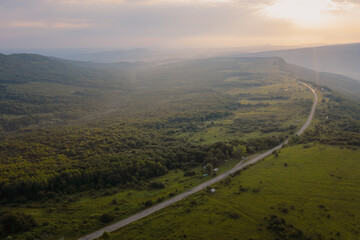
[248, 161]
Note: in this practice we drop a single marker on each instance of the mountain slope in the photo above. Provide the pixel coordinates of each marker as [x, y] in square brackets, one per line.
[344, 85]
[37, 90]
[23, 68]
[247, 71]
[341, 59]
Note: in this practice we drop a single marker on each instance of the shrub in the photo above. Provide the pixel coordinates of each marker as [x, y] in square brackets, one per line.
[189, 173]
[107, 217]
[106, 236]
[157, 185]
[148, 203]
[234, 215]
[16, 222]
[284, 210]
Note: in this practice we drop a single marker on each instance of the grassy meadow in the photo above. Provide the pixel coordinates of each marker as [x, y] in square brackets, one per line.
[265, 110]
[307, 192]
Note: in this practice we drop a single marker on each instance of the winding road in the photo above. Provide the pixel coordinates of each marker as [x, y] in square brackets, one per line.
[246, 162]
[312, 112]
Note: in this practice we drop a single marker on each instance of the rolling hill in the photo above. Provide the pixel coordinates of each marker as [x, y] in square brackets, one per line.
[339, 59]
[25, 68]
[37, 90]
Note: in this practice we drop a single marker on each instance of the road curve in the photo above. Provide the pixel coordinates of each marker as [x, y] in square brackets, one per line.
[312, 112]
[246, 162]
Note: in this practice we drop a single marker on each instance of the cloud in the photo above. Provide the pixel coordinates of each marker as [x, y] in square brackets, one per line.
[162, 23]
[347, 1]
[66, 24]
[242, 3]
[88, 1]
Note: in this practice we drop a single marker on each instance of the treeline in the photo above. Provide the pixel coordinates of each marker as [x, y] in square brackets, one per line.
[76, 179]
[11, 223]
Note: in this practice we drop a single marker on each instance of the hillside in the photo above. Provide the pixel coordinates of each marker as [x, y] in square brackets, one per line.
[25, 68]
[339, 59]
[250, 72]
[346, 86]
[43, 91]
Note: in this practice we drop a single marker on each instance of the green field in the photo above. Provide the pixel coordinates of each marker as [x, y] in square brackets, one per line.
[313, 188]
[265, 110]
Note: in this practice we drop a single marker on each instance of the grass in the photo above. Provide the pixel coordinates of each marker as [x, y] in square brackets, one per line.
[314, 188]
[291, 110]
[77, 214]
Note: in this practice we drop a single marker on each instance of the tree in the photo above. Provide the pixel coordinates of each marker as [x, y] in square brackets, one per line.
[16, 222]
[107, 217]
[239, 151]
[209, 168]
[276, 153]
[148, 203]
[106, 236]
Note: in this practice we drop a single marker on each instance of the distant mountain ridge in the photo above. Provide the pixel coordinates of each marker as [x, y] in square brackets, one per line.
[23, 68]
[132, 55]
[348, 87]
[37, 90]
[340, 59]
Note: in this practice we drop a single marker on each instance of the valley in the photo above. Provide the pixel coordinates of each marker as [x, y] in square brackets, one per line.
[179, 120]
[148, 143]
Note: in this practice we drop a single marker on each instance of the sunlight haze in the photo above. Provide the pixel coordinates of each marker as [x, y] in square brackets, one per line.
[177, 23]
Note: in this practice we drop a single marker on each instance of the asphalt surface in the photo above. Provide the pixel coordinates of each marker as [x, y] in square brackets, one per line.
[246, 162]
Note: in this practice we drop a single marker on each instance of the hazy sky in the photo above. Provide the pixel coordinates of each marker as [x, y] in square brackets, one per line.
[176, 23]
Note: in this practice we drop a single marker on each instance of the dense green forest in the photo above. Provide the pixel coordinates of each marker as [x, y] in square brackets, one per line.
[81, 159]
[69, 128]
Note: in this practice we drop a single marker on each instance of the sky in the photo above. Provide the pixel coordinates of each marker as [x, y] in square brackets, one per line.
[177, 23]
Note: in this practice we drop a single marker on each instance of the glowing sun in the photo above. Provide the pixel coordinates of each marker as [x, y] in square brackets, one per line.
[302, 12]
